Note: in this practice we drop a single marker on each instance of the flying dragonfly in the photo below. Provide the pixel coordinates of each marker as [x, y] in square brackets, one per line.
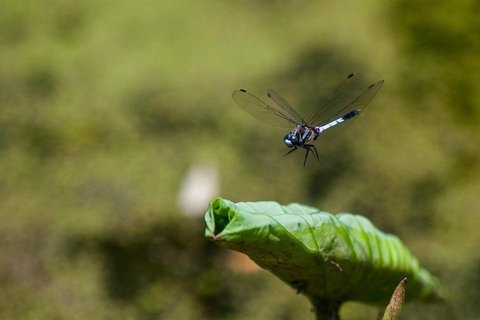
[346, 102]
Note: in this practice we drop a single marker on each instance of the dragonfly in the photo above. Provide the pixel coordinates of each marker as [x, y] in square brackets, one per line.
[345, 103]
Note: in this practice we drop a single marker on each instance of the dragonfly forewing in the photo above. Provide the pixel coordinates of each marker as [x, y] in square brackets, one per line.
[281, 102]
[262, 111]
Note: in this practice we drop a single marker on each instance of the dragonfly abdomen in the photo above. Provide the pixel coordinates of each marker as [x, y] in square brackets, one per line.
[350, 115]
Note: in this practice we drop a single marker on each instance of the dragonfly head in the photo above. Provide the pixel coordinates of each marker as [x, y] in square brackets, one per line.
[291, 140]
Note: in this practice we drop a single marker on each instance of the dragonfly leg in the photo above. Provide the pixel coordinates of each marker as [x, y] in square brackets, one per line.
[306, 154]
[313, 149]
[286, 154]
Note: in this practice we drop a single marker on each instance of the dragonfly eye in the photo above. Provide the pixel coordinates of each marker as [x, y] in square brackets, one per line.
[290, 140]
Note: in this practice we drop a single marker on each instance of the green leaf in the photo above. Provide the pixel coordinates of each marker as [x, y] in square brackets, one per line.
[329, 258]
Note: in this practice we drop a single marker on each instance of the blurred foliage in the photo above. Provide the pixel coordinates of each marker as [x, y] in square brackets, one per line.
[105, 105]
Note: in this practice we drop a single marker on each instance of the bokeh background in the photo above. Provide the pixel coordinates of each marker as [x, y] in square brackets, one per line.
[117, 126]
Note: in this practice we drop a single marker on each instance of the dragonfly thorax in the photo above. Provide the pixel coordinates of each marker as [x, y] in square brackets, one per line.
[299, 136]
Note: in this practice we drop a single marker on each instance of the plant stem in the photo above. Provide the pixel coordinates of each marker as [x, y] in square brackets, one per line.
[326, 310]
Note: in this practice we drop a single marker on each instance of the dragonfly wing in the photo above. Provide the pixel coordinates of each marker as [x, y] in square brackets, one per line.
[282, 103]
[261, 110]
[349, 95]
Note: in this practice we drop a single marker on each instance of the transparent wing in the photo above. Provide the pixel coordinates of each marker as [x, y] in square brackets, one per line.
[282, 103]
[261, 110]
[350, 94]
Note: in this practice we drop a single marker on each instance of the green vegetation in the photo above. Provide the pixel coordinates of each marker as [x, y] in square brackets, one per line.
[328, 258]
[104, 107]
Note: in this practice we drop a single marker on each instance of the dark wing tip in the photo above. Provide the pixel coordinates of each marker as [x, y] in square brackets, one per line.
[351, 75]
[376, 83]
[243, 90]
[269, 94]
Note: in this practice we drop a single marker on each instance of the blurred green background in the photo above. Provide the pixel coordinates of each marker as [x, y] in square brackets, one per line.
[117, 124]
